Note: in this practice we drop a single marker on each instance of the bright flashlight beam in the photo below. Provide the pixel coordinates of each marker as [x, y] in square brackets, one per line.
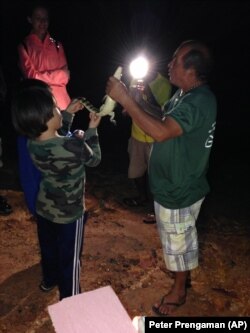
[139, 68]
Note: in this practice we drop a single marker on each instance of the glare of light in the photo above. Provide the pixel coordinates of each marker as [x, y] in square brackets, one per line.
[139, 67]
[135, 323]
[139, 324]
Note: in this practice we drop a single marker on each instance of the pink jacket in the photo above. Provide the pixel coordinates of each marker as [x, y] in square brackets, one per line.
[45, 61]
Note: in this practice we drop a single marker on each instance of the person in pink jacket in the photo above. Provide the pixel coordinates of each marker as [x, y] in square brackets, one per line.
[42, 57]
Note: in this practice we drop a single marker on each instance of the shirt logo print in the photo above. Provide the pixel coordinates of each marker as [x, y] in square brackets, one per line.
[210, 139]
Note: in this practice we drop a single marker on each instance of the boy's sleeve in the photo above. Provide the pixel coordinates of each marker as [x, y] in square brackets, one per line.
[92, 145]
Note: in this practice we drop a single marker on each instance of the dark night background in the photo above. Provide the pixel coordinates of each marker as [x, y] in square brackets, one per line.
[119, 249]
[100, 35]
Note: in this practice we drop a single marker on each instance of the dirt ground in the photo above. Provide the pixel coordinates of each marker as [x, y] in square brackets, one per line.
[121, 251]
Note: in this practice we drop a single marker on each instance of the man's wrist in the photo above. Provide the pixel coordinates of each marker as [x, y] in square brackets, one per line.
[127, 102]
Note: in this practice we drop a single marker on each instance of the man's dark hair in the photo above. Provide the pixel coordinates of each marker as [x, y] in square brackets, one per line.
[32, 107]
[199, 57]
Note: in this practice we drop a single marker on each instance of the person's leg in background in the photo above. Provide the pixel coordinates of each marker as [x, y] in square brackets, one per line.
[5, 207]
[139, 153]
[137, 171]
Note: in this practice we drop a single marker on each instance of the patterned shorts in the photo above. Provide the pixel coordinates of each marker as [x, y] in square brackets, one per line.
[179, 236]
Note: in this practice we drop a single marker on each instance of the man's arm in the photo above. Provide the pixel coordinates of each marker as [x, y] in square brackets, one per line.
[159, 130]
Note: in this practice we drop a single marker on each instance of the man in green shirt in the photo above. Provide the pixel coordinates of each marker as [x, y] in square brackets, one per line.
[156, 91]
[179, 160]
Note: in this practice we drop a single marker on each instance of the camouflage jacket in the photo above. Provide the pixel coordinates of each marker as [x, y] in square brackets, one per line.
[62, 161]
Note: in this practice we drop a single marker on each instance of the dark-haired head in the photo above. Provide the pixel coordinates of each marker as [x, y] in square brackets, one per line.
[39, 20]
[32, 107]
[37, 4]
[199, 58]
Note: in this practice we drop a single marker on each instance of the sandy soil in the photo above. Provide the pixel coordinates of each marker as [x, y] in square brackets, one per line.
[121, 251]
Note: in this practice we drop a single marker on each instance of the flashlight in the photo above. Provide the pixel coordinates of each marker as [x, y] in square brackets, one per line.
[138, 70]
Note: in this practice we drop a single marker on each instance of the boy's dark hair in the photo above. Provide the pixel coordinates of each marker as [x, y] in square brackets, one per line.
[199, 57]
[32, 107]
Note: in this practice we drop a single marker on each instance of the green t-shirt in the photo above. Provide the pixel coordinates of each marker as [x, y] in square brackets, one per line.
[178, 167]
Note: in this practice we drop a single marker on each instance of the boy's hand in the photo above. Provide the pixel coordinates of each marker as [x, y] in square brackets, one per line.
[78, 133]
[75, 106]
[94, 120]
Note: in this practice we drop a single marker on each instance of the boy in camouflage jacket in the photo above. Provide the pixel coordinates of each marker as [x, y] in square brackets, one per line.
[60, 208]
